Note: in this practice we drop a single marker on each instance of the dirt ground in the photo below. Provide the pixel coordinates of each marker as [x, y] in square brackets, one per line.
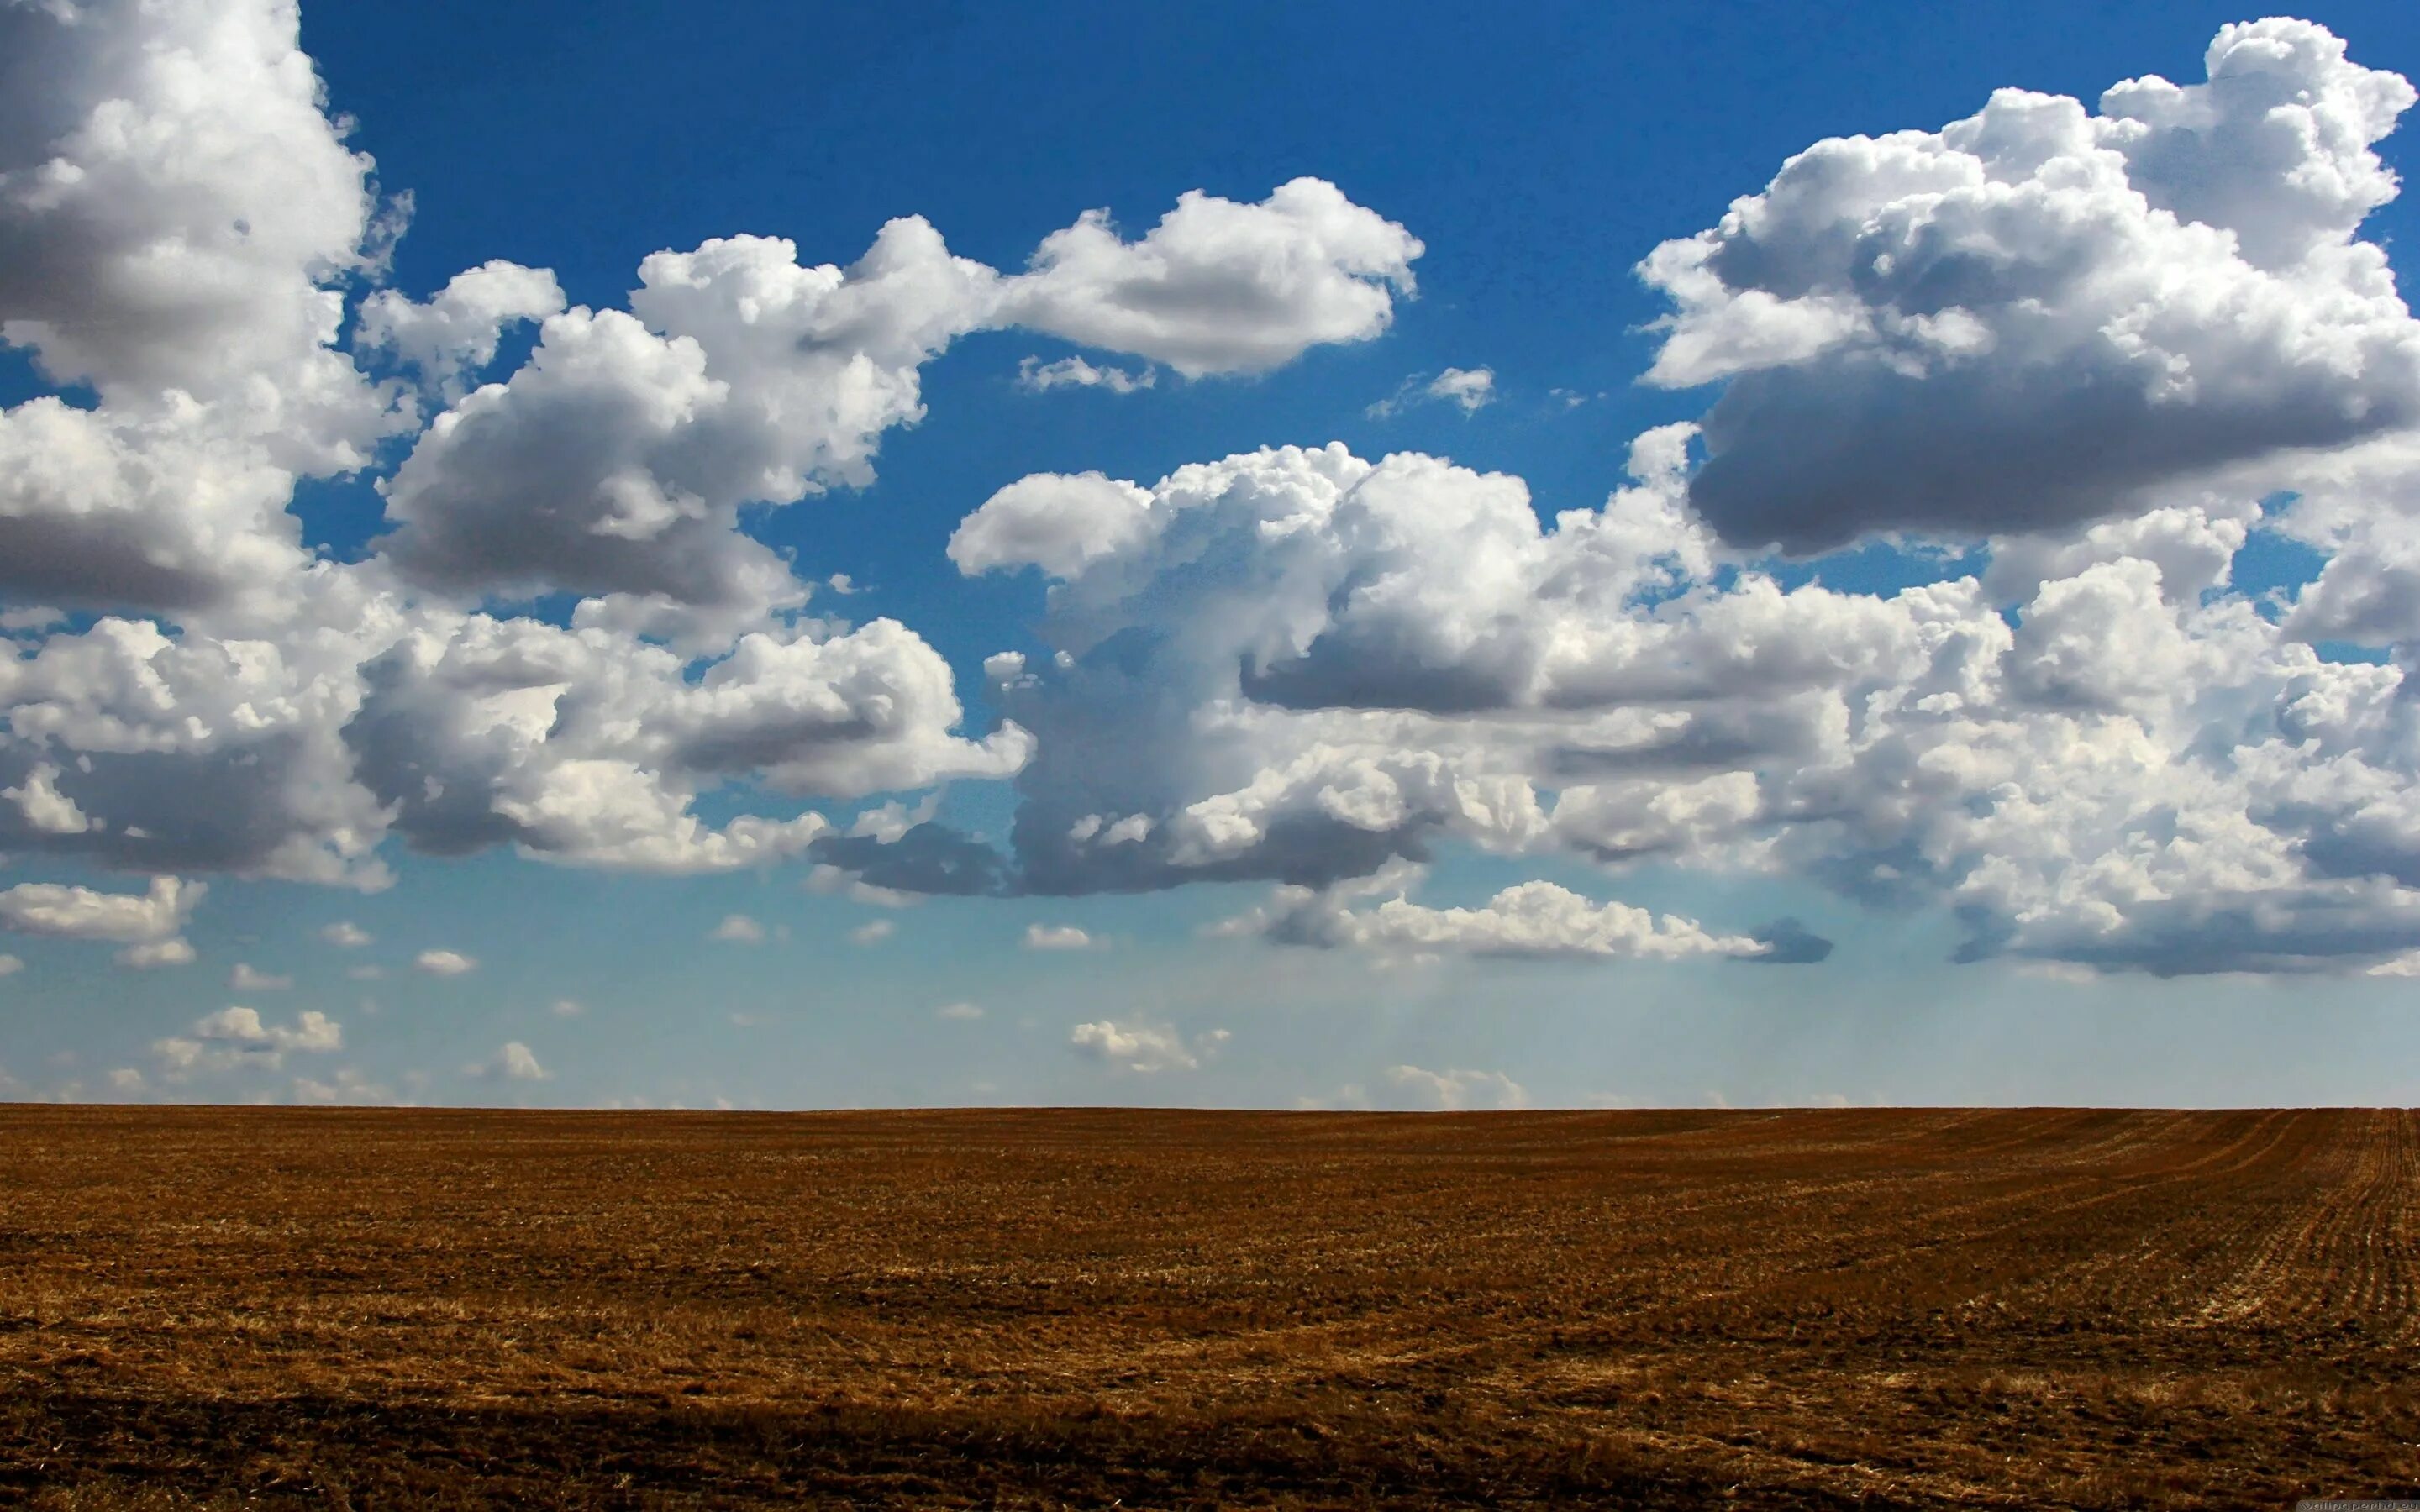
[1094, 1308]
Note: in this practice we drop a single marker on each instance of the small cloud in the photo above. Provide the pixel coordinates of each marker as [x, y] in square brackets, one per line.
[444, 962]
[1472, 389]
[126, 1081]
[10, 965]
[239, 1037]
[513, 1062]
[2406, 965]
[1450, 1090]
[739, 929]
[1144, 1047]
[564, 1008]
[2070, 973]
[827, 878]
[961, 1012]
[1057, 937]
[1034, 376]
[344, 936]
[349, 1086]
[873, 931]
[244, 979]
[157, 953]
[841, 583]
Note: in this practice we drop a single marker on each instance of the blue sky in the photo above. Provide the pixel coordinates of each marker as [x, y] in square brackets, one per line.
[2091, 829]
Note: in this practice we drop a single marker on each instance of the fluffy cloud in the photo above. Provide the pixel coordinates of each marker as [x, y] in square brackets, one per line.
[613, 464]
[1468, 388]
[147, 924]
[1143, 1048]
[2036, 315]
[1301, 665]
[1034, 376]
[1532, 919]
[182, 224]
[1057, 937]
[580, 746]
[344, 936]
[444, 962]
[738, 928]
[245, 979]
[513, 1062]
[1220, 286]
[456, 333]
[1454, 1090]
[237, 1037]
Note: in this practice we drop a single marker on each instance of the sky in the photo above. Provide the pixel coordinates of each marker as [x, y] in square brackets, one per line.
[1307, 555]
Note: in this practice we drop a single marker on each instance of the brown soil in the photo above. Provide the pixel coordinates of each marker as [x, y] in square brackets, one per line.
[1876, 1309]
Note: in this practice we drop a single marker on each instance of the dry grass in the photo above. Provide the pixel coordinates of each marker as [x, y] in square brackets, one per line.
[1029, 1309]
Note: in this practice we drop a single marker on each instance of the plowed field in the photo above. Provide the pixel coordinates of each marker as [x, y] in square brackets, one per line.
[1802, 1310]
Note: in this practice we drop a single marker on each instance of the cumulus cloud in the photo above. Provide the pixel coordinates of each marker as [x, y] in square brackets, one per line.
[344, 936]
[1532, 919]
[513, 1062]
[1034, 376]
[10, 965]
[149, 925]
[444, 962]
[1470, 390]
[1220, 286]
[1057, 937]
[180, 224]
[237, 1037]
[455, 334]
[245, 979]
[2036, 315]
[1303, 667]
[1455, 1090]
[739, 929]
[1146, 1048]
[873, 931]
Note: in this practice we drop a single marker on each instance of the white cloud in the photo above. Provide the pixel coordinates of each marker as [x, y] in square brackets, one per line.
[1034, 376]
[1057, 937]
[1470, 390]
[566, 1008]
[1060, 524]
[1220, 286]
[1451, 1090]
[2035, 316]
[157, 953]
[455, 334]
[147, 924]
[244, 979]
[348, 1086]
[513, 1062]
[739, 929]
[237, 1037]
[873, 931]
[10, 965]
[344, 936]
[444, 962]
[1532, 919]
[1147, 1048]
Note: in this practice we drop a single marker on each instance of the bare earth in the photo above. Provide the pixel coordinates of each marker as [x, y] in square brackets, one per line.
[1876, 1309]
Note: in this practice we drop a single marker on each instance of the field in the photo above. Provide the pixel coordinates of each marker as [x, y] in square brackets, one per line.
[1801, 1309]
